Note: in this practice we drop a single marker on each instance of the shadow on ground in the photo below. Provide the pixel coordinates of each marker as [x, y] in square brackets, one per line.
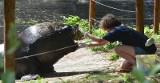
[62, 74]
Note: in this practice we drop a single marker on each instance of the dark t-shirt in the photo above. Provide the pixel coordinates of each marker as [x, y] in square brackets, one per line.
[129, 37]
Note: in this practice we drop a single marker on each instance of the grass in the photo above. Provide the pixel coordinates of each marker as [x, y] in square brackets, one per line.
[113, 56]
[105, 77]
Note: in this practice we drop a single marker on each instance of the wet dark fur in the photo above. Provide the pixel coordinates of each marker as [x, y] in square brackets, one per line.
[41, 38]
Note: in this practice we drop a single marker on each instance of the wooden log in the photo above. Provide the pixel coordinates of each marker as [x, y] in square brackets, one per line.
[9, 22]
[156, 15]
[140, 16]
[91, 14]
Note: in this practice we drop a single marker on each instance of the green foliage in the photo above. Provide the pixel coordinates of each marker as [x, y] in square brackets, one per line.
[126, 75]
[8, 77]
[156, 37]
[114, 56]
[1, 67]
[72, 20]
[75, 20]
[104, 48]
[38, 80]
[14, 43]
[154, 70]
[149, 33]
[99, 76]
[141, 76]
[107, 77]
[100, 33]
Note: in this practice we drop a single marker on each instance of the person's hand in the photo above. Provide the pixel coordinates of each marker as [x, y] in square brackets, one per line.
[82, 31]
[82, 45]
[149, 42]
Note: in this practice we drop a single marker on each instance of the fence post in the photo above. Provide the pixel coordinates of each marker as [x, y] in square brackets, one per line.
[159, 11]
[140, 16]
[9, 22]
[156, 15]
[91, 14]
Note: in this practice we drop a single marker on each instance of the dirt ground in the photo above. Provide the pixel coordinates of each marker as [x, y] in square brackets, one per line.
[79, 64]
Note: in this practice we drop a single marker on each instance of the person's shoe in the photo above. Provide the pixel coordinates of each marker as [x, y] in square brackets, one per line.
[149, 42]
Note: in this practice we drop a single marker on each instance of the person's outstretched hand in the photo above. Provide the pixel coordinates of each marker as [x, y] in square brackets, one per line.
[82, 45]
[82, 31]
[149, 42]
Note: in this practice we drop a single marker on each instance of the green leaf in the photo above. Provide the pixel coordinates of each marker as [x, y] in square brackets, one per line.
[138, 74]
[155, 69]
[8, 77]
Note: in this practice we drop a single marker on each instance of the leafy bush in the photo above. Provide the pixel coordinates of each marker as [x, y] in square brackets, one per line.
[150, 33]
[75, 20]
[141, 77]
[72, 20]
[147, 31]
[114, 56]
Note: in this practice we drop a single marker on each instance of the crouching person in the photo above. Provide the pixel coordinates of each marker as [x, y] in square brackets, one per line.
[133, 42]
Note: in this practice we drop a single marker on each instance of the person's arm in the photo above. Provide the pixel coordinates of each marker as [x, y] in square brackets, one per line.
[98, 41]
